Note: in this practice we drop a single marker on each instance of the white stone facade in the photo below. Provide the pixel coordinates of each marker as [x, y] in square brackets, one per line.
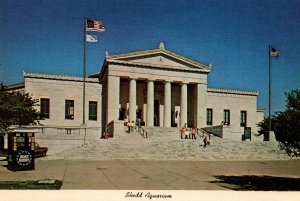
[156, 86]
[60, 88]
[235, 101]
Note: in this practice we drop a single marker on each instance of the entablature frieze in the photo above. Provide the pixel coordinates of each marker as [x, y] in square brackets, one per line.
[156, 66]
[161, 81]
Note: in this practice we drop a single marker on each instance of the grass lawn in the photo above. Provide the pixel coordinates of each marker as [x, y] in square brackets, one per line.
[40, 184]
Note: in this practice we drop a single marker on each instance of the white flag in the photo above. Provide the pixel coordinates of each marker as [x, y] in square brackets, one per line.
[91, 38]
[274, 52]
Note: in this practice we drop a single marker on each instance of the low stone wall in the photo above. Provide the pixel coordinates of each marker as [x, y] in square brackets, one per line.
[216, 130]
[224, 132]
[59, 139]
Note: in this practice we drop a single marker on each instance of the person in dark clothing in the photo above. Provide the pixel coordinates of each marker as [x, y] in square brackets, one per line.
[205, 142]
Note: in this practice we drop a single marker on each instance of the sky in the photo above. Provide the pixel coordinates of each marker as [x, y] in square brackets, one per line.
[46, 36]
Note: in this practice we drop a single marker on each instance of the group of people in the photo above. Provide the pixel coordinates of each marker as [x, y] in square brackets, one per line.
[190, 133]
[133, 125]
[130, 126]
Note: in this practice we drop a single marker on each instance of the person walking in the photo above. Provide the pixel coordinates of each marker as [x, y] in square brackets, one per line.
[205, 142]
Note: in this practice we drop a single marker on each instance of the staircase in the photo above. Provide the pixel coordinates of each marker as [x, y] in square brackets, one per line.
[166, 144]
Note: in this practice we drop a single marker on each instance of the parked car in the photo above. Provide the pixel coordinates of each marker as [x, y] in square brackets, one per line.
[39, 151]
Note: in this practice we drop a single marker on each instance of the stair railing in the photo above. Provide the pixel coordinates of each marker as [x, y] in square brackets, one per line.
[204, 132]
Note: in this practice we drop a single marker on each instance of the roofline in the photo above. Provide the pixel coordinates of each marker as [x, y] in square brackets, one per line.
[15, 86]
[233, 91]
[94, 75]
[158, 51]
[58, 77]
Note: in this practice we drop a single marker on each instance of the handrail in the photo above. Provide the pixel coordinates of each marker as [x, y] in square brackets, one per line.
[203, 132]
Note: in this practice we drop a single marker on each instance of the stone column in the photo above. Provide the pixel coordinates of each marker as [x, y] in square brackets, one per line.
[132, 100]
[201, 93]
[167, 108]
[113, 98]
[183, 105]
[150, 103]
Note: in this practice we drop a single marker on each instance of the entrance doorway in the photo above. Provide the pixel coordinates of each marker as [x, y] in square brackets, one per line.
[156, 112]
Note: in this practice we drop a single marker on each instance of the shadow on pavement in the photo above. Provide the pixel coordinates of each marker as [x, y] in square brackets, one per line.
[258, 183]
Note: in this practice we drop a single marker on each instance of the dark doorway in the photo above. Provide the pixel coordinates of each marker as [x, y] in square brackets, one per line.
[122, 113]
[156, 112]
[139, 114]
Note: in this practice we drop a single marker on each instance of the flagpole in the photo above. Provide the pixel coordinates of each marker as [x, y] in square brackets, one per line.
[84, 75]
[84, 69]
[270, 82]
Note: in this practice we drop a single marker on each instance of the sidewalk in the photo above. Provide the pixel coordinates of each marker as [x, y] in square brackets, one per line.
[147, 174]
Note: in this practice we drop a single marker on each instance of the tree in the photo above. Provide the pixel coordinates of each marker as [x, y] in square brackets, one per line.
[286, 124]
[16, 109]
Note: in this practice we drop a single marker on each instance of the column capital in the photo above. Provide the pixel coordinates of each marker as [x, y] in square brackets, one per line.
[167, 81]
[183, 83]
[132, 78]
[150, 80]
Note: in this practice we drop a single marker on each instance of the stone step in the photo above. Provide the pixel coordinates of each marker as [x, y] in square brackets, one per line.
[165, 144]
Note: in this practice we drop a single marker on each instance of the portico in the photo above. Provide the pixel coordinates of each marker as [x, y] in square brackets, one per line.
[157, 86]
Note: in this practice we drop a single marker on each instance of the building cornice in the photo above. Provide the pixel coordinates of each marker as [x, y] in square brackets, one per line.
[156, 66]
[232, 91]
[58, 77]
[15, 86]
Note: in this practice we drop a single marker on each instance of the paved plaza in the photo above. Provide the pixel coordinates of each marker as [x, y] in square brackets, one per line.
[163, 161]
[146, 174]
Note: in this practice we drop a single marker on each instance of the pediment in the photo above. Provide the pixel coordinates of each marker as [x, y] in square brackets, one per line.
[160, 57]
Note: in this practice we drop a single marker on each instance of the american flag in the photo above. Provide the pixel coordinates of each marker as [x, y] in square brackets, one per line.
[274, 52]
[92, 25]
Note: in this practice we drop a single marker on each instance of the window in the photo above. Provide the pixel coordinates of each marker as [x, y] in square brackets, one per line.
[227, 117]
[45, 108]
[243, 118]
[209, 116]
[93, 110]
[69, 113]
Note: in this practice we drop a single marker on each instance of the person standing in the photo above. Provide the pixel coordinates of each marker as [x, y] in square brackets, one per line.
[129, 126]
[139, 125]
[132, 125]
[193, 133]
[181, 132]
[186, 132]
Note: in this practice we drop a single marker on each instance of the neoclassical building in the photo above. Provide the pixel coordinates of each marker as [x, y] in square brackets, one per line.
[157, 86]
[168, 90]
